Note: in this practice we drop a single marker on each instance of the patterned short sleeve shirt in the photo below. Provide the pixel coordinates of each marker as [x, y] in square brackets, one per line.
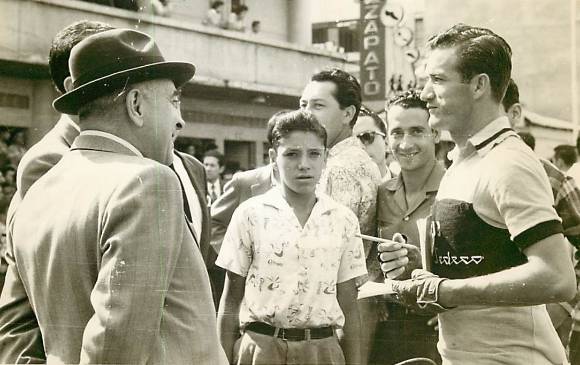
[292, 271]
[351, 178]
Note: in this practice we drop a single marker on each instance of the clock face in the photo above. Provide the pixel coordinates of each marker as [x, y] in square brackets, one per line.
[391, 14]
[403, 36]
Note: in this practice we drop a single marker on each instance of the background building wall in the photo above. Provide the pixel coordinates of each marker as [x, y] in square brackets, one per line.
[539, 32]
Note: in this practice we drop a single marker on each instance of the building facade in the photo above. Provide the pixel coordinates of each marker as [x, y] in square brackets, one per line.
[242, 78]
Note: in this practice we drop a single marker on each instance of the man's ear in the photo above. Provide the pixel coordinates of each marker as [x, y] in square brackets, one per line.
[514, 113]
[349, 112]
[480, 85]
[272, 153]
[68, 84]
[134, 105]
[222, 169]
[436, 135]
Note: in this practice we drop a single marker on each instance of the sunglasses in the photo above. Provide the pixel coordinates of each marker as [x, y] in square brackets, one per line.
[368, 138]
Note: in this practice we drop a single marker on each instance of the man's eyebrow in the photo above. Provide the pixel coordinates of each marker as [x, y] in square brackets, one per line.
[436, 74]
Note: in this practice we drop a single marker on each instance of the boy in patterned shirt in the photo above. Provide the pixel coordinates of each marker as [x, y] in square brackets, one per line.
[292, 256]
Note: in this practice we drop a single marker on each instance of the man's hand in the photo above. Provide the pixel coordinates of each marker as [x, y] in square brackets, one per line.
[398, 261]
[420, 292]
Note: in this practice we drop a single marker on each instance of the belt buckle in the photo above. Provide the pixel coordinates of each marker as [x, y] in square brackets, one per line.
[282, 334]
[292, 337]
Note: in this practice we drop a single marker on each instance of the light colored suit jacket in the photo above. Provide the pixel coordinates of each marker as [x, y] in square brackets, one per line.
[45, 154]
[243, 186]
[101, 246]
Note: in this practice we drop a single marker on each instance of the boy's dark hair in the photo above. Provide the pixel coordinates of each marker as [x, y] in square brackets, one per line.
[217, 154]
[528, 139]
[348, 90]
[271, 123]
[216, 4]
[62, 45]
[479, 50]
[566, 153]
[512, 95]
[296, 121]
[407, 100]
[379, 122]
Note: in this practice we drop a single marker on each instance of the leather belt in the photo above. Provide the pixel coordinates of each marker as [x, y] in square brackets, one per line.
[290, 334]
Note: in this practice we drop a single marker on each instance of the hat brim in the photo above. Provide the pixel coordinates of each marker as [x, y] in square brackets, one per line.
[70, 103]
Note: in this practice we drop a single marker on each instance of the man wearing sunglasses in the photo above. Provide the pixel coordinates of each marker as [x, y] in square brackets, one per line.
[350, 177]
[402, 201]
[372, 132]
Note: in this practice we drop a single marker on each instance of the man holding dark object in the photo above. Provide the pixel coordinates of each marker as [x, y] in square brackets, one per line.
[498, 250]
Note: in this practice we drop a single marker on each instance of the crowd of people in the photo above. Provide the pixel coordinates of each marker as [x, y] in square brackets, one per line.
[123, 250]
[12, 148]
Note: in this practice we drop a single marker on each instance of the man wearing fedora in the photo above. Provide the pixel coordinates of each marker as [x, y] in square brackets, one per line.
[100, 242]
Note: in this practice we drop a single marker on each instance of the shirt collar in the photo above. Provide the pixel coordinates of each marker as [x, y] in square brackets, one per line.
[112, 137]
[431, 185]
[343, 145]
[215, 184]
[485, 139]
[274, 198]
[68, 119]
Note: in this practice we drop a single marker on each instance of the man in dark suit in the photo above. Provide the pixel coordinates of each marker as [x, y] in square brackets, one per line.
[213, 161]
[110, 215]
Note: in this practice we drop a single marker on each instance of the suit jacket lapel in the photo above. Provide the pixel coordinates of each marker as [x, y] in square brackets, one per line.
[196, 180]
[199, 185]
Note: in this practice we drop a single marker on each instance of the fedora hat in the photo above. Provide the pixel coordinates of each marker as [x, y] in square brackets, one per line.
[113, 59]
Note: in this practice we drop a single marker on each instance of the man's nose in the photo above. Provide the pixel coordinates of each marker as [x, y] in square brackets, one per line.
[406, 141]
[180, 123]
[304, 162]
[427, 92]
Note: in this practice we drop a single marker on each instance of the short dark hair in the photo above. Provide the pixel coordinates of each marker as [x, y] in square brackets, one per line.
[271, 123]
[407, 100]
[566, 153]
[62, 44]
[348, 90]
[479, 51]
[379, 122]
[217, 154]
[216, 4]
[296, 121]
[512, 95]
[528, 139]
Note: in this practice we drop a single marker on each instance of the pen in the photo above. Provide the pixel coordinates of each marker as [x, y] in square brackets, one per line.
[376, 239]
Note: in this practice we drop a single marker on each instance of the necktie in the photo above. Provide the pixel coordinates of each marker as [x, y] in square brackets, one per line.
[213, 194]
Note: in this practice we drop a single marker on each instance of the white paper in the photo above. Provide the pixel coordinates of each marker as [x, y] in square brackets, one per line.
[372, 289]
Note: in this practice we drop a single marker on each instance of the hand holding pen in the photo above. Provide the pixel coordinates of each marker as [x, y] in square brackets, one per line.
[398, 258]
